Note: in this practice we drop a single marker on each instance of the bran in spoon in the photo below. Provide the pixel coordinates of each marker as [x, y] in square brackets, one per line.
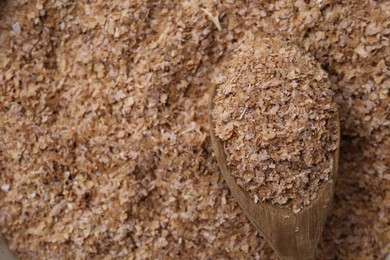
[275, 114]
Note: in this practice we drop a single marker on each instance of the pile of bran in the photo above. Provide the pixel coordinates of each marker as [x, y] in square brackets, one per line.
[104, 145]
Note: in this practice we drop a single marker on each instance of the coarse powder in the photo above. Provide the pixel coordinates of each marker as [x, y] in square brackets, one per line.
[274, 112]
[104, 144]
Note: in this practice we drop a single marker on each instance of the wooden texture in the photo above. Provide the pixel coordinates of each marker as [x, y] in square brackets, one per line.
[293, 236]
[5, 253]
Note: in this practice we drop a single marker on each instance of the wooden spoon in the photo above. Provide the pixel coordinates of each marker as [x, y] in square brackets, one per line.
[292, 235]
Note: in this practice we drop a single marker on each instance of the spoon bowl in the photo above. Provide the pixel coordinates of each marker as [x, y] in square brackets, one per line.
[293, 236]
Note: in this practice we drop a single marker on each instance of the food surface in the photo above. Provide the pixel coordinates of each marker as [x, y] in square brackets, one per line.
[274, 112]
[104, 144]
